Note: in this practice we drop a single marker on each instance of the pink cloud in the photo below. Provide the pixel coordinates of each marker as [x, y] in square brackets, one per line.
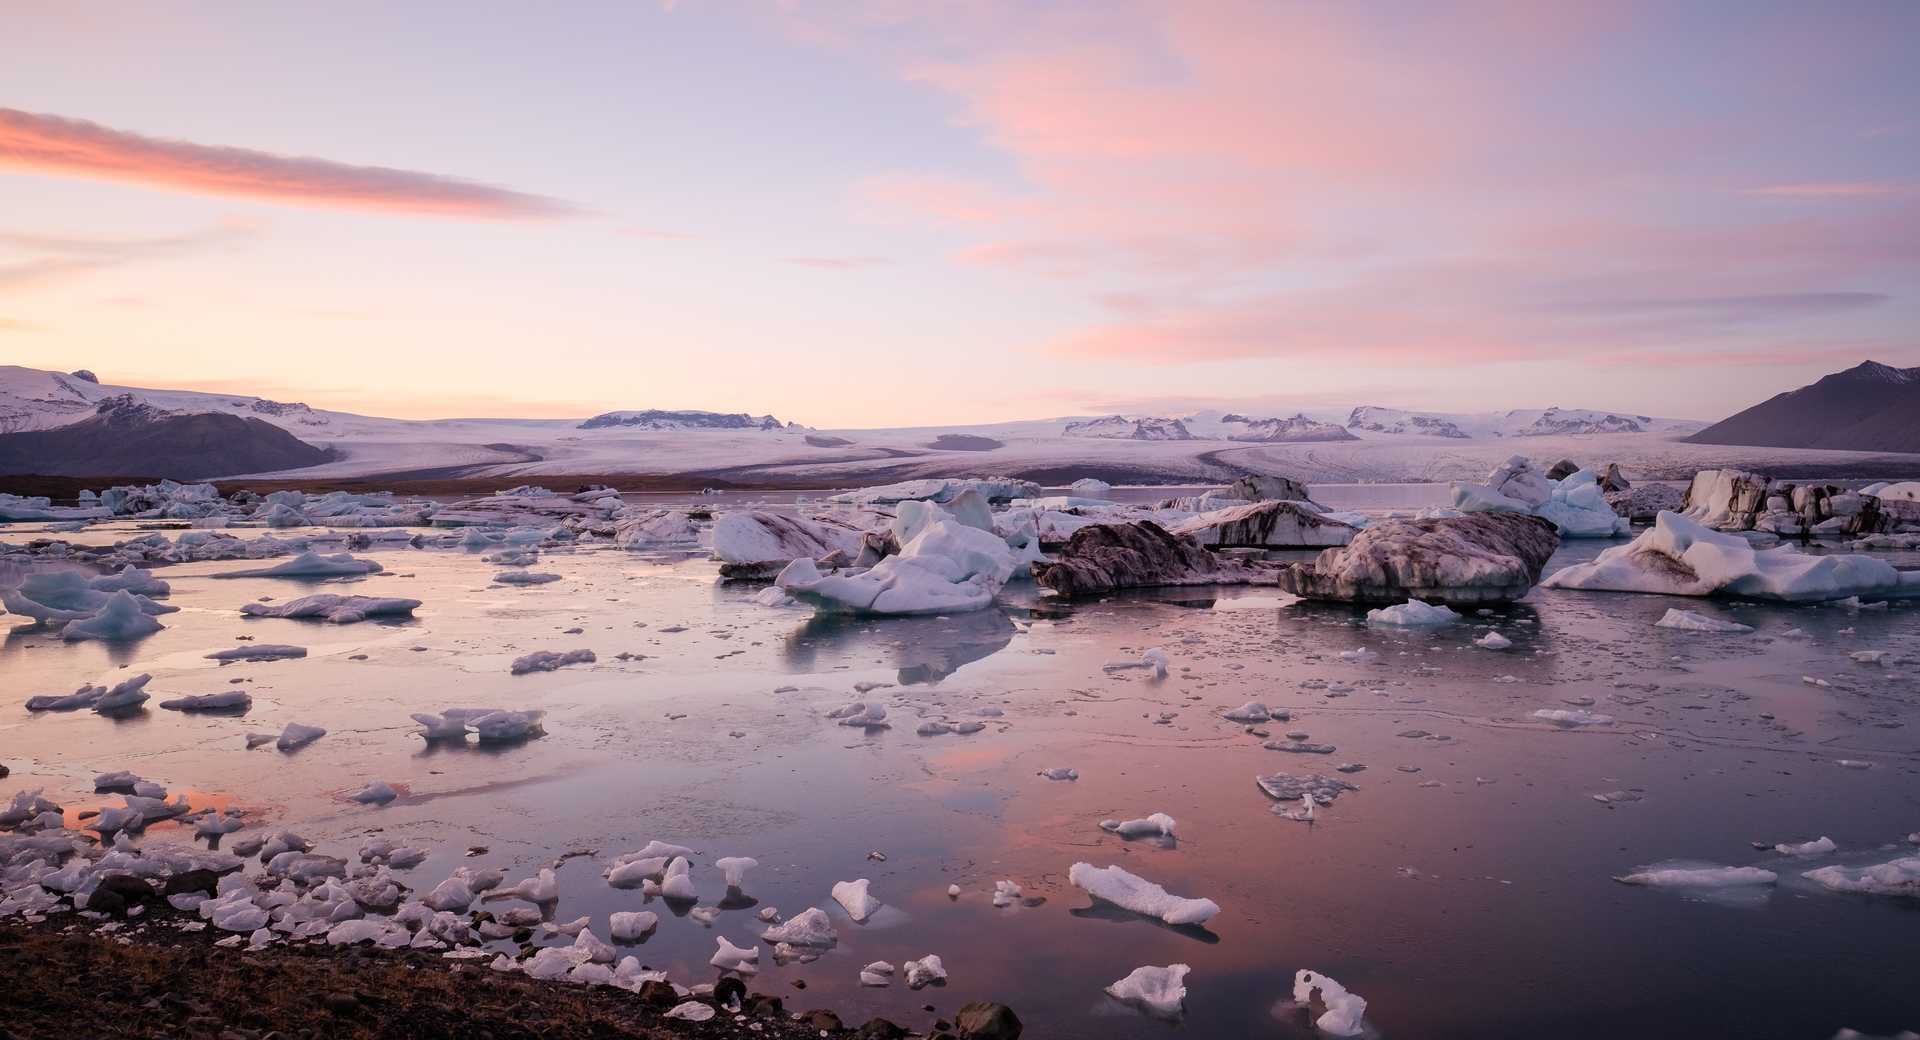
[57, 146]
[1838, 189]
[838, 263]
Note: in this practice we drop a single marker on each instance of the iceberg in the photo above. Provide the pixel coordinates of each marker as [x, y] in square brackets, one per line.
[1475, 559]
[809, 927]
[1680, 557]
[1156, 825]
[1698, 877]
[1102, 557]
[297, 736]
[754, 544]
[550, 660]
[1412, 614]
[947, 567]
[226, 700]
[311, 564]
[1158, 991]
[335, 610]
[120, 619]
[1269, 525]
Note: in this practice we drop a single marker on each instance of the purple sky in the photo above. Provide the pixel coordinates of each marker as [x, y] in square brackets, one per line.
[897, 213]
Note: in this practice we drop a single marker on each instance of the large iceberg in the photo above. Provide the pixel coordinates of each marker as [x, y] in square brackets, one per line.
[1103, 557]
[1575, 503]
[945, 567]
[1681, 557]
[755, 544]
[1492, 557]
[1270, 525]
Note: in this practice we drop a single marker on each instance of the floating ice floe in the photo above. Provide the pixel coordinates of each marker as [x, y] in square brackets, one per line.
[521, 577]
[1252, 711]
[1060, 773]
[311, 564]
[540, 889]
[1698, 877]
[377, 792]
[296, 735]
[225, 700]
[1155, 990]
[864, 714]
[1494, 641]
[1345, 1009]
[854, 898]
[1268, 525]
[1412, 614]
[55, 597]
[734, 868]
[258, 652]
[926, 971]
[1476, 559]
[940, 490]
[877, 974]
[1688, 621]
[753, 544]
[1156, 825]
[810, 927]
[1679, 557]
[735, 959]
[676, 882]
[119, 619]
[1135, 893]
[507, 727]
[1289, 787]
[335, 610]
[1818, 847]
[1570, 717]
[1895, 877]
[632, 926]
[1102, 557]
[1005, 893]
[550, 660]
[653, 528]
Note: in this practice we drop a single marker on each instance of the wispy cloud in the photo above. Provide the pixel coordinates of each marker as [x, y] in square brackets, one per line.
[49, 258]
[57, 146]
[1838, 190]
[838, 263]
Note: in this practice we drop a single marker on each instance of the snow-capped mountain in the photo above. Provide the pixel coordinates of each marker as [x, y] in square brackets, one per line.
[1521, 422]
[1297, 430]
[660, 419]
[1119, 427]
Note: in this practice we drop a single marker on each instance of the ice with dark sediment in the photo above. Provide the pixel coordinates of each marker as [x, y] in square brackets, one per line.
[1476, 559]
[335, 610]
[225, 700]
[258, 652]
[296, 735]
[311, 564]
[549, 660]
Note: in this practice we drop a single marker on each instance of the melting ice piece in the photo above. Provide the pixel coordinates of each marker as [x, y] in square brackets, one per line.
[1570, 717]
[1159, 824]
[226, 700]
[540, 889]
[525, 577]
[258, 652]
[1344, 1009]
[809, 927]
[505, 727]
[735, 868]
[1698, 877]
[1689, 621]
[1494, 641]
[1060, 773]
[866, 714]
[1005, 893]
[879, 973]
[1818, 847]
[853, 896]
[629, 927]
[925, 972]
[335, 610]
[1288, 787]
[1896, 877]
[1412, 614]
[119, 619]
[297, 735]
[693, 1010]
[311, 564]
[1158, 991]
[1252, 711]
[677, 882]
[1135, 893]
[549, 660]
[124, 697]
[1154, 660]
[378, 792]
[732, 958]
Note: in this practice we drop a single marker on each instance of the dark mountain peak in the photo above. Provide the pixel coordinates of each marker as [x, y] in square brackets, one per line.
[1874, 370]
[1869, 407]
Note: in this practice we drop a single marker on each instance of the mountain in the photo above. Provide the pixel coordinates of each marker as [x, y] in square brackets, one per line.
[1869, 407]
[126, 437]
[657, 419]
[1520, 422]
[1296, 430]
[1121, 428]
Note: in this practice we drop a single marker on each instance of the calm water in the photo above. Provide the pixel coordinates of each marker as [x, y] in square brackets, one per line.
[1465, 890]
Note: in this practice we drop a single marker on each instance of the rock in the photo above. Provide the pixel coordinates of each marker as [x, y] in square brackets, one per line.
[117, 892]
[1613, 480]
[1479, 558]
[729, 990]
[983, 1021]
[821, 1018]
[193, 881]
[1563, 469]
[658, 993]
[1103, 557]
[879, 1029]
[1268, 525]
[341, 1003]
[763, 1005]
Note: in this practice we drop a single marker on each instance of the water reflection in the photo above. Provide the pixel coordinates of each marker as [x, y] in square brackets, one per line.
[924, 649]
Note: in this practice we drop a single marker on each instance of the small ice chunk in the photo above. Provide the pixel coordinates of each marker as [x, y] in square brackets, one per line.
[1158, 991]
[1895, 877]
[879, 973]
[1252, 711]
[809, 927]
[677, 881]
[1344, 1009]
[733, 958]
[549, 660]
[735, 868]
[1494, 641]
[925, 972]
[1154, 660]
[1135, 893]
[693, 1010]
[854, 898]
[1005, 893]
[525, 577]
[297, 736]
[1158, 824]
[865, 714]
[258, 652]
[378, 792]
[226, 700]
[629, 927]
[1689, 621]
[1818, 847]
[1570, 717]
[1698, 877]
[1060, 773]
[1412, 614]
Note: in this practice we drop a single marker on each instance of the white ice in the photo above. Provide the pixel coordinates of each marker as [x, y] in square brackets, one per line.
[1412, 614]
[1156, 990]
[1689, 621]
[854, 898]
[1141, 896]
[1345, 1009]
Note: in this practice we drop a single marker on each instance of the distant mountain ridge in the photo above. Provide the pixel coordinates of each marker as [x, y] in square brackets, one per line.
[1519, 422]
[1869, 407]
[662, 419]
[1297, 430]
[129, 437]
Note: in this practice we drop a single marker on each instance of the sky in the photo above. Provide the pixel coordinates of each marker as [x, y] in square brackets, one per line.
[918, 212]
